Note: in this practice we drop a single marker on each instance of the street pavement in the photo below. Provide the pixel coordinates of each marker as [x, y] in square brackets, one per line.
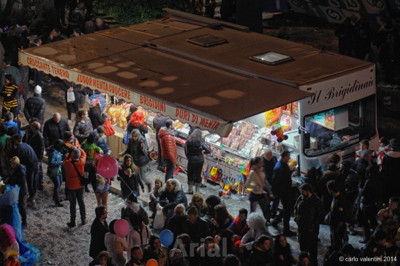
[47, 225]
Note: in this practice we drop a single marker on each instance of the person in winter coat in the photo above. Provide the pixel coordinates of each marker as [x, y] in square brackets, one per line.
[133, 210]
[35, 139]
[35, 106]
[282, 252]
[54, 129]
[309, 213]
[260, 188]
[54, 171]
[337, 217]
[331, 174]
[222, 220]
[262, 252]
[74, 167]
[369, 198]
[361, 165]
[171, 196]
[72, 99]
[98, 231]
[97, 118]
[83, 127]
[257, 226]
[194, 150]
[391, 169]
[27, 155]
[168, 148]
[19, 178]
[282, 188]
[194, 226]
[159, 122]
[9, 92]
[129, 178]
[138, 149]
[155, 195]
[239, 227]
[92, 152]
[177, 221]
[137, 121]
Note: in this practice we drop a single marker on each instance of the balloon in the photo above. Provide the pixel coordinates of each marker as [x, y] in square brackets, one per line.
[166, 237]
[152, 262]
[107, 167]
[121, 227]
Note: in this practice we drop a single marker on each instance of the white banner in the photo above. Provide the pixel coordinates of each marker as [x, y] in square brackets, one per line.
[129, 95]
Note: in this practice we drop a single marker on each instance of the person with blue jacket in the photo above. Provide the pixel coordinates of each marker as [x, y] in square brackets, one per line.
[54, 170]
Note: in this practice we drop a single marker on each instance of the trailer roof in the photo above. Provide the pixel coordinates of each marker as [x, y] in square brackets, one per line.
[152, 64]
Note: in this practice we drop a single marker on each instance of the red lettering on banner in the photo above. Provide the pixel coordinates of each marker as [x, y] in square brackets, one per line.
[152, 103]
[183, 114]
[39, 65]
[103, 85]
[62, 73]
[208, 123]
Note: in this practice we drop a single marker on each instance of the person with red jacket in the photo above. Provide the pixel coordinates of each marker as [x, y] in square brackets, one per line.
[168, 148]
[74, 168]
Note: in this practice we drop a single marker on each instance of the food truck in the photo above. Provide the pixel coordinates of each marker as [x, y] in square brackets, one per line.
[249, 92]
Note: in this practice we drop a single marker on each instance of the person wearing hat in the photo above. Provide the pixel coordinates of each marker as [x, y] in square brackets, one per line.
[35, 106]
[309, 213]
[391, 170]
[194, 226]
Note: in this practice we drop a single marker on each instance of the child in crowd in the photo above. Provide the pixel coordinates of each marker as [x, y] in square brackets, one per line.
[155, 195]
[102, 140]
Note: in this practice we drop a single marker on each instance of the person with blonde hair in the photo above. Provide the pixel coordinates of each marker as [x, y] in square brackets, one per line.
[155, 195]
[199, 202]
[129, 178]
[138, 149]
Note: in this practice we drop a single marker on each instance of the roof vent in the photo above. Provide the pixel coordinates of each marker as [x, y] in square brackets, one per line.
[207, 40]
[271, 58]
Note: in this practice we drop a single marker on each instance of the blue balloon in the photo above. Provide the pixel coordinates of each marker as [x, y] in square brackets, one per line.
[166, 237]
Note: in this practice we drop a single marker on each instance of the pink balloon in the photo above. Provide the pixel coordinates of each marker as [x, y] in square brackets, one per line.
[121, 227]
[152, 262]
[107, 167]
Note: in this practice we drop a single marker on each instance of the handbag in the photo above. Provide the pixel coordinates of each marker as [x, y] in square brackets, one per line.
[83, 178]
[70, 96]
[108, 129]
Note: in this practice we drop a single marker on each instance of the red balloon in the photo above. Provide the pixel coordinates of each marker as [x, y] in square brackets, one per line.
[121, 227]
[107, 167]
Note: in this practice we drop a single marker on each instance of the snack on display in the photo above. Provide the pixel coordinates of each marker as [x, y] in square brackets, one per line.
[119, 112]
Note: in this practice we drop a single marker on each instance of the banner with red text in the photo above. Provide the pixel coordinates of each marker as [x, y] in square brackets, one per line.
[195, 119]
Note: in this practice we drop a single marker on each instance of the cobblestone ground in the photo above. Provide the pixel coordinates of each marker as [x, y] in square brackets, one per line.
[47, 228]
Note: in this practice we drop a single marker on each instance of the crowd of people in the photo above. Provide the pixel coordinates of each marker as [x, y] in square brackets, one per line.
[345, 195]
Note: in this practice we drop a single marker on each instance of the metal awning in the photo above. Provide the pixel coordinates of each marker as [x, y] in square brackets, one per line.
[152, 65]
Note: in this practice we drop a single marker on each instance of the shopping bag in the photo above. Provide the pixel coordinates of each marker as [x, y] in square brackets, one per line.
[108, 129]
[125, 139]
[70, 96]
[159, 219]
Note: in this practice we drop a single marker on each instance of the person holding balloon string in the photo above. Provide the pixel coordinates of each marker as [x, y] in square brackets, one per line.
[115, 241]
[128, 174]
[107, 169]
